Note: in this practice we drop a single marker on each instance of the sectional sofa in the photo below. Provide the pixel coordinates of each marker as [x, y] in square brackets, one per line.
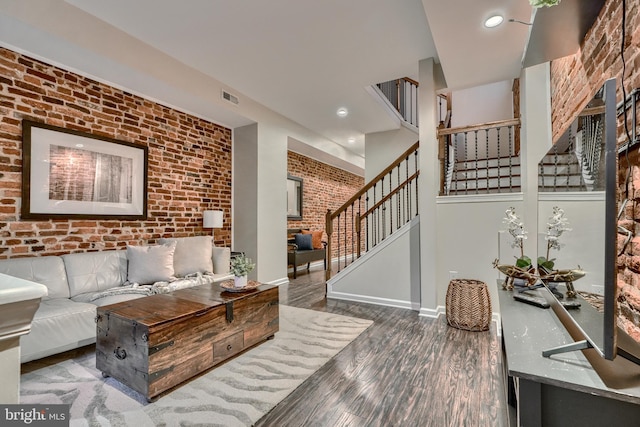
[78, 283]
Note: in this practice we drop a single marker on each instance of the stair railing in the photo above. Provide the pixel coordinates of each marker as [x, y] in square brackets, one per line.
[376, 211]
[402, 93]
[480, 158]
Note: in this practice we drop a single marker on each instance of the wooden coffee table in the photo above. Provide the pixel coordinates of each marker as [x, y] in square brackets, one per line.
[154, 343]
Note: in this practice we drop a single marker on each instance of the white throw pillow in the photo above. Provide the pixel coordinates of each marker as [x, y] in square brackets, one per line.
[193, 255]
[221, 260]
[150, 264]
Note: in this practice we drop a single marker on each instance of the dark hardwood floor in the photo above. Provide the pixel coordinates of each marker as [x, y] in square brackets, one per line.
[404, 370]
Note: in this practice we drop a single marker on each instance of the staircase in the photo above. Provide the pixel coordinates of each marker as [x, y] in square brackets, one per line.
[374, 213]
[484, 176]
[561, 172]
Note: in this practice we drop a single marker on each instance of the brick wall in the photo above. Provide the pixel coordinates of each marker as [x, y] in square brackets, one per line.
[189, 160]
[324, 187]
[574, 80]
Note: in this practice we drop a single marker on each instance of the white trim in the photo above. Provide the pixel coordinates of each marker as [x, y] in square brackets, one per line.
[412, 128]
[377, 94]
[431, 313]
[369, 300]
[495, 317]
[480, 198]
[278, 282]
[572, 196]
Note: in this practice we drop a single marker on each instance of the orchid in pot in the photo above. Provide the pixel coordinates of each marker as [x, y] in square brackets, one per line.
[240, 267]
[516, 229]
[557, 225]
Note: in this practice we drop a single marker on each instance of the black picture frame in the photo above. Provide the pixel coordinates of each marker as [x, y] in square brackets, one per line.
[69, 174]
[294, 197]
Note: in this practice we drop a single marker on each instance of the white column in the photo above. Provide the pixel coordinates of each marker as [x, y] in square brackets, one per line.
[429, 185]
[260, 199]
[19, 300]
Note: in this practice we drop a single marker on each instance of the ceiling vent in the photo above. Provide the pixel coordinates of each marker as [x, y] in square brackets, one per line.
[228, 97]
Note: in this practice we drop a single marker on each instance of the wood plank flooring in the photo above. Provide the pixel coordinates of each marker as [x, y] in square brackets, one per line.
[404, 370]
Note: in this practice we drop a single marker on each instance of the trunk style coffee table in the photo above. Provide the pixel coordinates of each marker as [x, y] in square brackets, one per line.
[154, 343]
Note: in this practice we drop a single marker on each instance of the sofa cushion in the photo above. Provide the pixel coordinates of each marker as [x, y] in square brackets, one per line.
[95, 271]
[192, 255]
[150, 264]
[303, 241]
[59, 325]
[48, 270]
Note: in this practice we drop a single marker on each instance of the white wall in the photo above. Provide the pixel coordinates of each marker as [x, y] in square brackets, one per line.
[583, 245]
[481, 104]
[381, 148]
[467, 240]
[389, 274]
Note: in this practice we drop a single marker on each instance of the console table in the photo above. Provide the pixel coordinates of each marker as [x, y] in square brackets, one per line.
[564, 389]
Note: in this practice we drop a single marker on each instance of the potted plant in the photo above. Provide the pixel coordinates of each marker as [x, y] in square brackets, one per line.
[240, 267]
[555, 227]
[519, 234]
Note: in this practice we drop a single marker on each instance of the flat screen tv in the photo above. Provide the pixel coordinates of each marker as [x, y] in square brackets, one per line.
[591, 142]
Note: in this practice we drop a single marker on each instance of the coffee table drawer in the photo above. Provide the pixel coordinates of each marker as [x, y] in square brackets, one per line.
[228, 346]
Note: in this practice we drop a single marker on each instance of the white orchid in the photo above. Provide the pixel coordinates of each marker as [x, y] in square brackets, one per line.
[557, 225]
[516, 229]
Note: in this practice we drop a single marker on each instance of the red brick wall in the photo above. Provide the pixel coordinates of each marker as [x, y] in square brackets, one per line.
[189, 160]
[574, 80]
[323, 186]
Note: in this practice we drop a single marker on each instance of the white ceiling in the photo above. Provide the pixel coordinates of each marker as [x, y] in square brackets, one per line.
[302, 59]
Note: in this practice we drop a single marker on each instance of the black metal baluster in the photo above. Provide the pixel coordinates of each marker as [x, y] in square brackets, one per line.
[486, 154]
[338, 245]
[499, 162]
[390, 202]
[415, 158]
[466, 181]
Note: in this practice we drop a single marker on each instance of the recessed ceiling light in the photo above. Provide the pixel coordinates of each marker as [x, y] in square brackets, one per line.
[351, 140]
[493, 21]
[342, 112]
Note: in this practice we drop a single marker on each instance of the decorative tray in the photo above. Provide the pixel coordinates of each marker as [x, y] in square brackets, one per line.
[228, 286]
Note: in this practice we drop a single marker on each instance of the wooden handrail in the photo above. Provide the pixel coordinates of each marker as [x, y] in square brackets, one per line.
[374, 181]
[488, 125]
[413, 82]
[393, 193]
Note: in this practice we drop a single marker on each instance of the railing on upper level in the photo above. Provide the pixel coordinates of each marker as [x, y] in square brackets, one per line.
[480, 159]
[403, 95]
[381, 207]
[576, 161]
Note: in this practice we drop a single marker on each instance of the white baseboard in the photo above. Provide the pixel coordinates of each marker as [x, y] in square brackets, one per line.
[387, 302]
[434, 314]
[278, 282]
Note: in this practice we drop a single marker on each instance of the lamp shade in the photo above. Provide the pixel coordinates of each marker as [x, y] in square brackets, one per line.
[212, 219]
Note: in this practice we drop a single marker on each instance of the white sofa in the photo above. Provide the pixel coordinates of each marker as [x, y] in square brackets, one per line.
[78, 283]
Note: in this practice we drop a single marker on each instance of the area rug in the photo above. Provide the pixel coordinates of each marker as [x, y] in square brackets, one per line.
[237, 393]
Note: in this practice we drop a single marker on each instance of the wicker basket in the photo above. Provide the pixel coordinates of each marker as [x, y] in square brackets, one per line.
[468, 305]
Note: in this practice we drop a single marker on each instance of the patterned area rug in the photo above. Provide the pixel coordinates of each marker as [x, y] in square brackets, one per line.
[237, 393]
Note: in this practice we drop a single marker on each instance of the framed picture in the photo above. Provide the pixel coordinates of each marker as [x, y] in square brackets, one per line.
[294, 197]
[72, 174]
